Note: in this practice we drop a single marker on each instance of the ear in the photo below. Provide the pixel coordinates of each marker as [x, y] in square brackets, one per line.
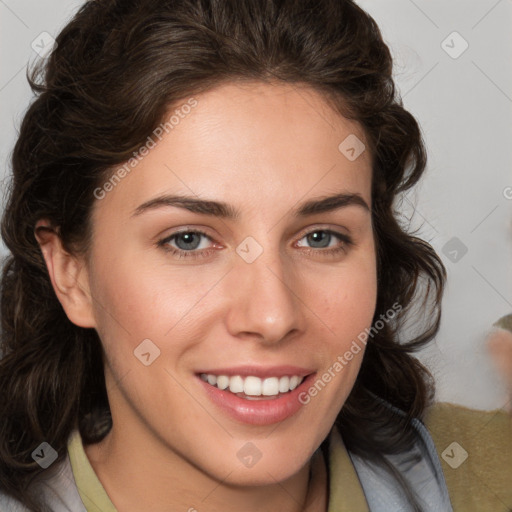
[68, 275]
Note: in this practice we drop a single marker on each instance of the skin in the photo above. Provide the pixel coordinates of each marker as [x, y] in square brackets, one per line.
[264, 149]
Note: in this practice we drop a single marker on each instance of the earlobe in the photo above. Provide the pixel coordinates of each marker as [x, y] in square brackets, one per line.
[68, 276]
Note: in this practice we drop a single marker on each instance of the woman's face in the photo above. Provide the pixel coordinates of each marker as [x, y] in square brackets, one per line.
[220, 256]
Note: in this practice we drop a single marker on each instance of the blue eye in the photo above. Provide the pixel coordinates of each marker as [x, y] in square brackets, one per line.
[187, 241]
[326, 239]
[187, 244]
[319, 239]
[196, 244]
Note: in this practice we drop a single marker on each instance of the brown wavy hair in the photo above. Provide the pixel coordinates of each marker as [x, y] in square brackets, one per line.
[118, 66]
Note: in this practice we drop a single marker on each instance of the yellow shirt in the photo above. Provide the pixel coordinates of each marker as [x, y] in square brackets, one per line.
[89, 487]
[96, 499]
[478, 482]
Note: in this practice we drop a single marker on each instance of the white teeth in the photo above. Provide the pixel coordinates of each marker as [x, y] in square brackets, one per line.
[270, 386]
[253, 386]
[284, 384]
[236, 384]
[294, 381]
[222, 382]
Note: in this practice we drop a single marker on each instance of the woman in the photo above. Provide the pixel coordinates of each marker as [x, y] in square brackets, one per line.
[204, 303]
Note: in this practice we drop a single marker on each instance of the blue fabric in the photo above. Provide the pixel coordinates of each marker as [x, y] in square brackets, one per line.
[420, 467]
[56, 488]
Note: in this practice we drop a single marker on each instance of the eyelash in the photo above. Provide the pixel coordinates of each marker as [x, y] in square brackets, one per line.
[346, 242]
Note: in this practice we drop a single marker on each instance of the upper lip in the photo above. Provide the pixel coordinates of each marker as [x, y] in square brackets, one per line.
[260, 371]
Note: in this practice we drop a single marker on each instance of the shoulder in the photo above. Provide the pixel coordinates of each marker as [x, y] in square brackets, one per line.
[475, 449]
[448, 419]
[481, 430]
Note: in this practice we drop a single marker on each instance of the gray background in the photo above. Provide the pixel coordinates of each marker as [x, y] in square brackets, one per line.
[462, 100]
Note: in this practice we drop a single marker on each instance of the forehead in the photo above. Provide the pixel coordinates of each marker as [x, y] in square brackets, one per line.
[247, 142]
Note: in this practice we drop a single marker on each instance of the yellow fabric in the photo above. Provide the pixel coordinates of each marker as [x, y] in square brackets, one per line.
[345, 491]
[483, 482]
[89, 487]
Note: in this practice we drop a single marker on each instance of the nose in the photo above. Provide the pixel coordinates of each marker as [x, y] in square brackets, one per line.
[264, 305]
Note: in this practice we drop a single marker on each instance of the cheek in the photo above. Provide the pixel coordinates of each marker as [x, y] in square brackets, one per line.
[345, 305]
[345, 301]
[134, 302]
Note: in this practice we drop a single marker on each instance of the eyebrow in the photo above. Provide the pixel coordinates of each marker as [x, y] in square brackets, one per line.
[226, 211]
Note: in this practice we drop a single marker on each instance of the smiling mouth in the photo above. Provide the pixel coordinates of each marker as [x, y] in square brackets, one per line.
[252, 387]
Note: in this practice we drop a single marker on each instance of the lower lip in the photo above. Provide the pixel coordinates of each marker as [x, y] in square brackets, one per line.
[261, 411]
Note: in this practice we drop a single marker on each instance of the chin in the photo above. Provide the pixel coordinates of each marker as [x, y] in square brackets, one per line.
[261, 463]
[264, 474]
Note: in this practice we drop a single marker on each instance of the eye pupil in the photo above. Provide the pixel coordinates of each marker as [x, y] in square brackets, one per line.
[188, 241]
[319, 239]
